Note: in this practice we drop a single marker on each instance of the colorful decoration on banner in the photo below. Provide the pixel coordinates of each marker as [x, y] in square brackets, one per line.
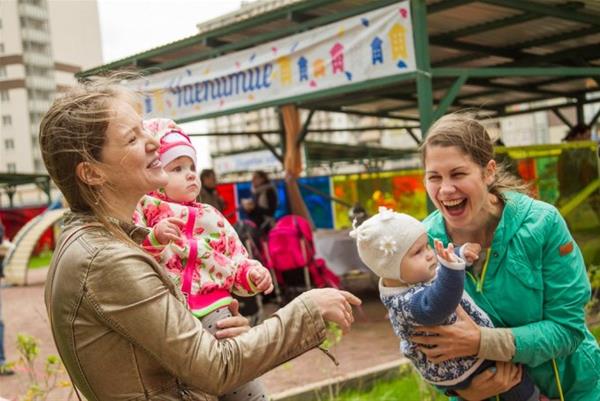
[376, 52]
[357, 49]
[303, 68]
[285, 70]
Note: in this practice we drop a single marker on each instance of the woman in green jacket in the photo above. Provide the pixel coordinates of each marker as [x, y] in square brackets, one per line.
[530, 277]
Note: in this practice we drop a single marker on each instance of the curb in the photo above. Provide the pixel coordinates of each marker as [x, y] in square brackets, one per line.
[362, 379]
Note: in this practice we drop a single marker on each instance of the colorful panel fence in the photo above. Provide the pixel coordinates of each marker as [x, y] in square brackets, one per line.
[399, 190]
[564, 175]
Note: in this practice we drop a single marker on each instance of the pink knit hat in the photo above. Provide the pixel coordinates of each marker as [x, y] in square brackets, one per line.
[174, 142]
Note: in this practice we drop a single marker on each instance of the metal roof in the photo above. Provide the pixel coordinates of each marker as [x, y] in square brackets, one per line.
[14, 179]
[513, 35]
[9, 182]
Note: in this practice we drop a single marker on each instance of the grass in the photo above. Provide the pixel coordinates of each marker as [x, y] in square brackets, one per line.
[408, 387]
[41, 260]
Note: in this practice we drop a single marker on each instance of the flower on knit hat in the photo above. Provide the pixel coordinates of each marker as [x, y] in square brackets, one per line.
[388, 245]
[385, 213]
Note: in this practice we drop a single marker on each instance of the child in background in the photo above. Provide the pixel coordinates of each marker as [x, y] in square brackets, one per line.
[198, 247]
[419, 289]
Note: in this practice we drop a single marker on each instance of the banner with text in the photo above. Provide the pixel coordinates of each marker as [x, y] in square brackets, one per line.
[357, 49]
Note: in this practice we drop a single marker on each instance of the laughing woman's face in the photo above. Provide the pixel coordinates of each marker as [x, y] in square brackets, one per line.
[457, 185]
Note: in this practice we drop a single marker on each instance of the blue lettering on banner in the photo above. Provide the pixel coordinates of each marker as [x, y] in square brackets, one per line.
[267, 74]
[249, 80]
[198, 86]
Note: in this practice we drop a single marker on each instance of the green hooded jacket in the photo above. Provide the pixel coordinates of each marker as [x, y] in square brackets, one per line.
[536, 283]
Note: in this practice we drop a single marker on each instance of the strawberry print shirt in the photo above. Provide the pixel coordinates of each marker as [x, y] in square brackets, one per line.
[209, 263]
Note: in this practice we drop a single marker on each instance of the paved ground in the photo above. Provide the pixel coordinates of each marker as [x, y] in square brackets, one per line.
[370, 342]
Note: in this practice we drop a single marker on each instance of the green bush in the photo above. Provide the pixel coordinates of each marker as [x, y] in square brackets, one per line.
[40, 383]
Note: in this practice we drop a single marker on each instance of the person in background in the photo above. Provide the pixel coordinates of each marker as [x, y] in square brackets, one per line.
[263, 204]
[208, 190]
[579, 132]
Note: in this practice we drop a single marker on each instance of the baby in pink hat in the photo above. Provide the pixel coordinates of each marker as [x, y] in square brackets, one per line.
[198, 247]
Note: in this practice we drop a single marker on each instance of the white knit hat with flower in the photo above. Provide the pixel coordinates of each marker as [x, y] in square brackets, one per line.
[384, 239]
[174, 142]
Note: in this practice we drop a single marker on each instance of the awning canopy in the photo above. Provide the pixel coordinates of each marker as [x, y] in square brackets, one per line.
[489, 55]
[10, 181]
[14, 179]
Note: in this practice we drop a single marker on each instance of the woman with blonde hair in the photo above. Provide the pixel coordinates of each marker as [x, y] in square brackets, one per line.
[120, 324]
[530, 277]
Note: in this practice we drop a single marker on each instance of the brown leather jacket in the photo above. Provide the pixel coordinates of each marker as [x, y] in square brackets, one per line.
[124, 332]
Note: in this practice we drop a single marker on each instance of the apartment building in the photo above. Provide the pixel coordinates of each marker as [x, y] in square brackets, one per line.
[43, 43]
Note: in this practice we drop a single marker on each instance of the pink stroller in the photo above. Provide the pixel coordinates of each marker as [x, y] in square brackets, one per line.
[291, 255]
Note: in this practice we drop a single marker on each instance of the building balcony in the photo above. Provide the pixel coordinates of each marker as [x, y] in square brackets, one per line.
[37, 82]
[33, 11]
[38, 59]
[35, 35]
[38, 106]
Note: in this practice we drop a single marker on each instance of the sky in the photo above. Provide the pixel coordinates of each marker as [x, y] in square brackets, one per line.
[133, 26]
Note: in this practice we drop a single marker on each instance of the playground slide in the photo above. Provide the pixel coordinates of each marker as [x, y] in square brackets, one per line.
[15, 263]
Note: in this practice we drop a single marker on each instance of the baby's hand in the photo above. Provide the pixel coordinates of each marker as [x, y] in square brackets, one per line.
[446, 254]
[261, 278]
[471, 252]
[168, 229]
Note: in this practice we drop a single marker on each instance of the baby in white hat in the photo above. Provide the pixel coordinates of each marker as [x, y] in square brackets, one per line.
[421, 289]
[197, 246]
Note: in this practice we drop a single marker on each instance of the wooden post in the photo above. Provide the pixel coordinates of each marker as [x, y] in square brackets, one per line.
[292, 161]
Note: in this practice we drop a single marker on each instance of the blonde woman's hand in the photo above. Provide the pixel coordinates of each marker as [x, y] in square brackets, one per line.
[234, 325]
[492, 381]
[335, 305]
[456, 340]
